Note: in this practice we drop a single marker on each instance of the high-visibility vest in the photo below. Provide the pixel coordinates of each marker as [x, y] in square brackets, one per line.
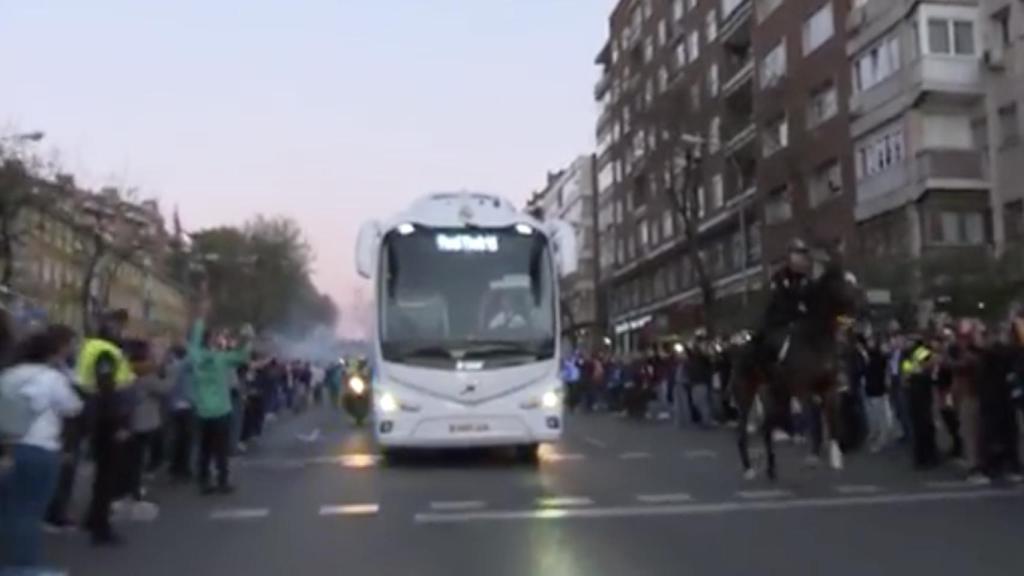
[914, 363]
[90, 352]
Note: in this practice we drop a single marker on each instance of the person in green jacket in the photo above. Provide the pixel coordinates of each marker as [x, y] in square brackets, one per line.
[213, 368]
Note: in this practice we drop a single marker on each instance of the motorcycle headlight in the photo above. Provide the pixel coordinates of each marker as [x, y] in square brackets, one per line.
[357, 385]
[387, 403]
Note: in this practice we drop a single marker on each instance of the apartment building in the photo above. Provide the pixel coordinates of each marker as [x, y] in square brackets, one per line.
[1002, 26]
[756, 92]
[569, 195]
[917, 128]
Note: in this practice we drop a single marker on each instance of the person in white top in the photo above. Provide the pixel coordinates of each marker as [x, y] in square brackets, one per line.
[36, 389]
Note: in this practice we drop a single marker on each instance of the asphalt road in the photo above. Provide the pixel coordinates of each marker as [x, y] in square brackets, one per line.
[613, 498]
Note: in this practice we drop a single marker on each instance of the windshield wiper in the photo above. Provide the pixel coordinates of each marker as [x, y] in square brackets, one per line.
[438, 352]
[489, 349]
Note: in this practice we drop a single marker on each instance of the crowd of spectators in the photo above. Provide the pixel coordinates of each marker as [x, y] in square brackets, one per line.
[959, 383]
[135, 413]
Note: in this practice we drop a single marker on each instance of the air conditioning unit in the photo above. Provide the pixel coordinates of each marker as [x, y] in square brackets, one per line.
[994, 59]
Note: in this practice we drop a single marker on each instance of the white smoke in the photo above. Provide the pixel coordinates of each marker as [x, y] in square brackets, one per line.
[320, 345]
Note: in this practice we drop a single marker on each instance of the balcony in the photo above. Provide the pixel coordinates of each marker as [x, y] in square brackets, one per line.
[929, 169]
[744, 136]
[944, 79]
[741, 77]
[736, 22]
[602, 85]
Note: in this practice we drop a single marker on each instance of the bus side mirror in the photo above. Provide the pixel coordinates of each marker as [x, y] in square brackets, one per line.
[563, 240]
[367, 247]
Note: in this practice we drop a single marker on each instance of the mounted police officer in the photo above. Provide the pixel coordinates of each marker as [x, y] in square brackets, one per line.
[790, 287]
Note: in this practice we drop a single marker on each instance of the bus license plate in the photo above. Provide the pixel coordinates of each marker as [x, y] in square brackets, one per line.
[469, 428]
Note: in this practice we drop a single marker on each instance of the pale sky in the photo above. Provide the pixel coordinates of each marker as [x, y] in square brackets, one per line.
[329, 111]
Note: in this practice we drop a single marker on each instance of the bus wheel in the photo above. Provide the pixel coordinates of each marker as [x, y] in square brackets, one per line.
[527, 454]
[394, 456]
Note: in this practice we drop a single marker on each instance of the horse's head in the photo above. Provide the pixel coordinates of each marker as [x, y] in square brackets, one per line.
[837, 292]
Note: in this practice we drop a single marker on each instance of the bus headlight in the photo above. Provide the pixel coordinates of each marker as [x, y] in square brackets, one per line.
[550, 399]
[357, 385]
[387, 403]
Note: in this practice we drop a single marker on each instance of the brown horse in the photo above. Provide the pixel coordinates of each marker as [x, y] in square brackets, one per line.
[809, 370]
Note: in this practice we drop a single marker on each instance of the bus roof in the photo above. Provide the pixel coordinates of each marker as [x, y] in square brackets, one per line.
[462, 209]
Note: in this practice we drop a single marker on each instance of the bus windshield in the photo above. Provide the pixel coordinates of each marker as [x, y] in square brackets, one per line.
[466, 295]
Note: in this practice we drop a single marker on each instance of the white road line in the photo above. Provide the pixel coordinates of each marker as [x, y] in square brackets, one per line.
[350, 510]
[947, 484]
[458, 506]
[240, 514]
[858, 489]
[594, 442]
[664, 498]
[698, 454]
[635, 456]
[559, 457]
[763, 494]
[564, 501]
[711, 508]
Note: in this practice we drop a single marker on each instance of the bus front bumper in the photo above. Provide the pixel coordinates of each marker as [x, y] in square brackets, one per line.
[465, 431]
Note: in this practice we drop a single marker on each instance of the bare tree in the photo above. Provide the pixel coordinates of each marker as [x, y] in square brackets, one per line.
[683, 191]
[23, 187]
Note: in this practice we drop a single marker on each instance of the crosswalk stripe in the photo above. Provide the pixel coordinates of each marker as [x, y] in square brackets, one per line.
[564, 501]
[635, 455]
[947, 484]
[456, 506]
[664, 498]
[561, 457]
[763, 494]
[696, 454]
[350, 510]
[240, 514]
[858, 489]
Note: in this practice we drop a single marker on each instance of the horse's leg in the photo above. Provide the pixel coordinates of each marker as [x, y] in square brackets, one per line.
[771, 419]
[744, 402]
[812, 421]
[830, 409]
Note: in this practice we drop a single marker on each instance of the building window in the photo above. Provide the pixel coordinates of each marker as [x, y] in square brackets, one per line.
[662, 79]
[668, 223]
[764, 8]
[822, 104]
[1001, 28]
[713, 80]
[880, 152]
[678, 10]
[702, 204]
[691, 4]
[778, 206]
[952, 37]
[715, 134]
[1009, 125]
[957, 228]
[876, 64]
[662, 32]
[648, 49]
[775, 136]
[754, 243]
[680, 55]
[824, 184]
[711, 25]
[717, 193]
[818, 28]
[694, 46]
[694, 97]
[773, 67]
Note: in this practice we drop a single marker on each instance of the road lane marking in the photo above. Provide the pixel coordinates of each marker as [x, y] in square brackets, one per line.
[350, 510]
[635, 456]
[560, 457]
[664, 498]
[858, 489]
[763, 494]
[240, 514]
[699, 454]
[458, 506]
[705, 509]
[947, 484]
[594, 442]
[564, 501]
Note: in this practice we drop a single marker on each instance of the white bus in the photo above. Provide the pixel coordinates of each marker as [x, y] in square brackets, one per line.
[466, 332]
